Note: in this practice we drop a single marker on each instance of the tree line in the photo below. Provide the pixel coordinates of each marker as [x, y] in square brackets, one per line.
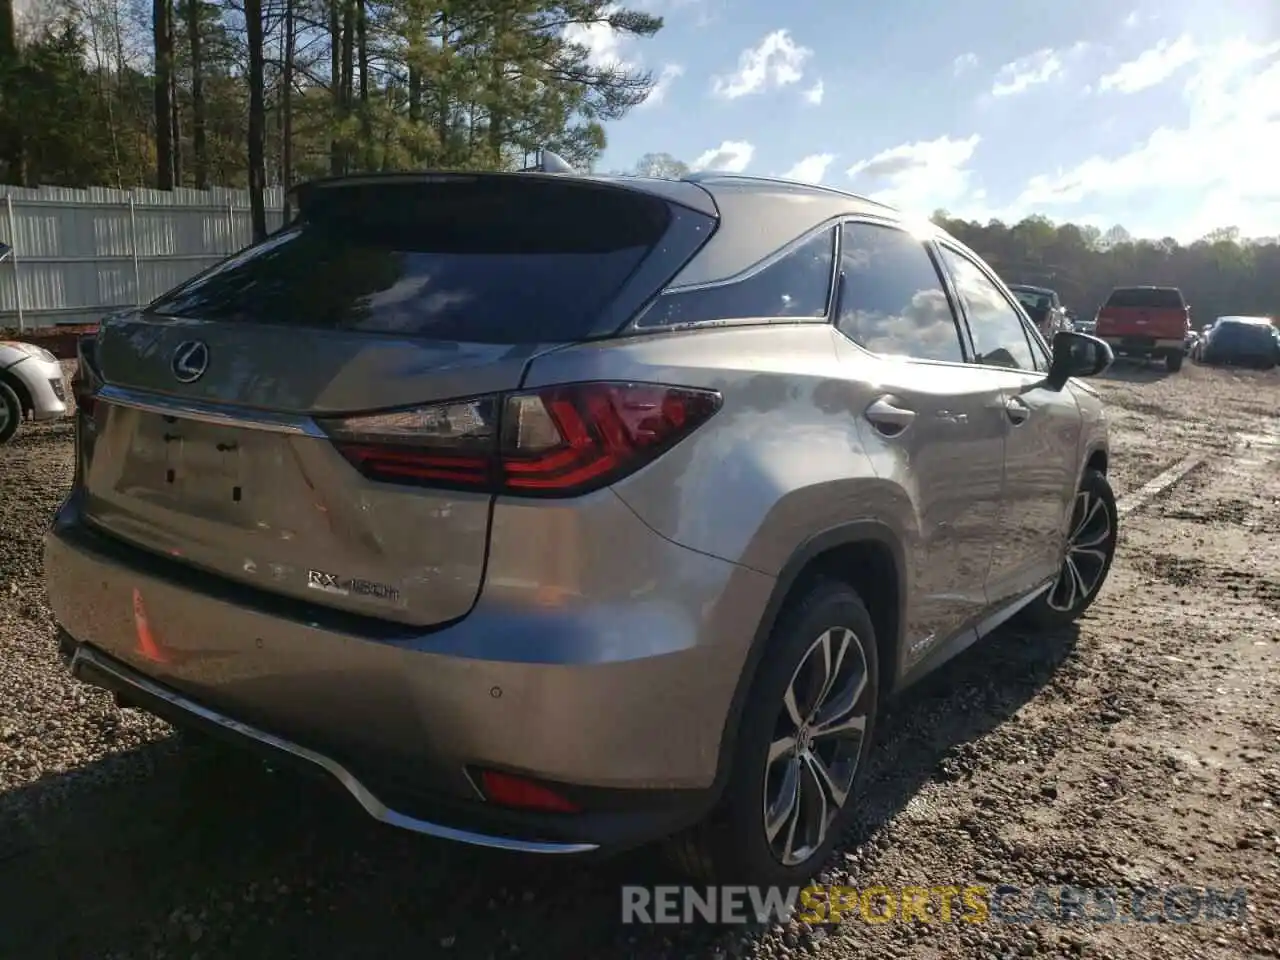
[248, 93]
[1219, 275]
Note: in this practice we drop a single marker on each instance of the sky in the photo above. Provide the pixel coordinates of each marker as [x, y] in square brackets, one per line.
[1161, 117]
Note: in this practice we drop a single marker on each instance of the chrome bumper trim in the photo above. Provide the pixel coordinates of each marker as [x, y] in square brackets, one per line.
[85, 656]
[213, 413]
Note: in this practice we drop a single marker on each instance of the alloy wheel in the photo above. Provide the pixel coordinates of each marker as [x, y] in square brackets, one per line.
[1086, 556]
[817, 742]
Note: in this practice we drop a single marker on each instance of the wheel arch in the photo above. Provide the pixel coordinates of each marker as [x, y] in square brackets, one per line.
[14, 383]
[866, 554]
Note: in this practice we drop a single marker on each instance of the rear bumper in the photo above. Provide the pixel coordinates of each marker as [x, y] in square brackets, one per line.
[619, 704]
[1239, 358]
[1138, 345]
[93, 667]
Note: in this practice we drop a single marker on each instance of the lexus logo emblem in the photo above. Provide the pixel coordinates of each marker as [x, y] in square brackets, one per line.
[190, 361]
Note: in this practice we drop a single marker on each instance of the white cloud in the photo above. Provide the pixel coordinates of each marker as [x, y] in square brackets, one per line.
[777, 61]
[668, 75]
[732, 156]
[1151, 67]
[1224, 155]
[921, 176]
[1026, 72]
[811, 169]
[814, 94]
[964, 63]
[606, 48]
[1132, 20]
[603, 44]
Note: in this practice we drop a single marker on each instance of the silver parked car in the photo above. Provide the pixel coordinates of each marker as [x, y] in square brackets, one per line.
[557, 513]
[31, 384]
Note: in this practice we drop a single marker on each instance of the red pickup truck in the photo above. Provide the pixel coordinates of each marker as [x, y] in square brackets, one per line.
[1146, 322]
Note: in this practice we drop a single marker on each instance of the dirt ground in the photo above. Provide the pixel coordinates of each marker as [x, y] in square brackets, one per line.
[1140, 749]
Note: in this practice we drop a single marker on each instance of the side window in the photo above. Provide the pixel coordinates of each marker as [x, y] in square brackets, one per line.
[796, 285]
[891, 297]
[998, 337]
[1040, 350]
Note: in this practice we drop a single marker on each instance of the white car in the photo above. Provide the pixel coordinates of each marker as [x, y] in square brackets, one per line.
[31, 384]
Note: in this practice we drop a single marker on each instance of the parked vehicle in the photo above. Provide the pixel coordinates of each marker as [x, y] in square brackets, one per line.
[1197, 341]
[597, 511]
[1241, 341]
[1043, 307]
[30, 382]
[31, 385]
[1146, 322]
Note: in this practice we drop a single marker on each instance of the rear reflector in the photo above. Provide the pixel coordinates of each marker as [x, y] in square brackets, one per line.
[508, 790]
[555, 442]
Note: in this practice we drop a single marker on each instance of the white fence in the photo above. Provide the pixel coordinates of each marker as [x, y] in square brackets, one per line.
[79, 254]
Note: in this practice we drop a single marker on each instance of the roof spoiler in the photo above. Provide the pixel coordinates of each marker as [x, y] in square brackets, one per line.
[549, 162]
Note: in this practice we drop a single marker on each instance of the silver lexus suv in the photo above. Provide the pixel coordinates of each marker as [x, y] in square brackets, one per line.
[562, 513]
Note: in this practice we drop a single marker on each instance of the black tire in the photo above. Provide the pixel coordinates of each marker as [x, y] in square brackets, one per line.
[10, 412]
[731, 846]
[1046, 611]
[1173, 361]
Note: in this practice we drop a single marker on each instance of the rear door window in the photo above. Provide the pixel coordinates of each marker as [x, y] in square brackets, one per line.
[1152, 298]
[891, 297]
[480, 264]
[796, 285]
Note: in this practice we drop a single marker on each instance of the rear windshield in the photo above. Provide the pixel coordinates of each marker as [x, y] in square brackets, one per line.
[1244, 334]
[1160, 298]
[460, 259]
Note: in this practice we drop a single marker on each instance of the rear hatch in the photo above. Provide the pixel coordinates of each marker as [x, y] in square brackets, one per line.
[1144, 314]
[212, 436]
[1252, 341]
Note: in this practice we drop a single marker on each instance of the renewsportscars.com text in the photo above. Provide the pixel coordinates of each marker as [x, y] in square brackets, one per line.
[938, 903]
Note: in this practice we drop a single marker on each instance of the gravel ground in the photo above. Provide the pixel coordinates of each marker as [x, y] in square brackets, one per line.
[1139, 748]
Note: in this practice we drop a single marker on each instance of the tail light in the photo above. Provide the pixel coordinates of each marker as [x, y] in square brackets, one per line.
[554, 442]
[85, 381]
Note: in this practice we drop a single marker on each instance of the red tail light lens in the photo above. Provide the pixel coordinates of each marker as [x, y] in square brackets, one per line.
[555, 442]
[508, 790]
[448, 444]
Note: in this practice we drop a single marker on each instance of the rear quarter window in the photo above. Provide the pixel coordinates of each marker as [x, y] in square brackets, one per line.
[796, 285]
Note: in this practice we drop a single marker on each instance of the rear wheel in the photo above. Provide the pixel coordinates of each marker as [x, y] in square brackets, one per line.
[10, 412]
[802, 743]
[1091, 546]
[1173, 361]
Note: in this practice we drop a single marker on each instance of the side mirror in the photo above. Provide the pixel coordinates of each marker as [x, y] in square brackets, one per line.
[1076, 355]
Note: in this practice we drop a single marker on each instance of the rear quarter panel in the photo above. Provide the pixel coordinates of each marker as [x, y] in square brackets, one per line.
[1094, 426]
[782, 461]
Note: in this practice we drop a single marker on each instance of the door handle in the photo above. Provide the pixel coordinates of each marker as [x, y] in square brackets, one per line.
[1017, 411]
[889, 418]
